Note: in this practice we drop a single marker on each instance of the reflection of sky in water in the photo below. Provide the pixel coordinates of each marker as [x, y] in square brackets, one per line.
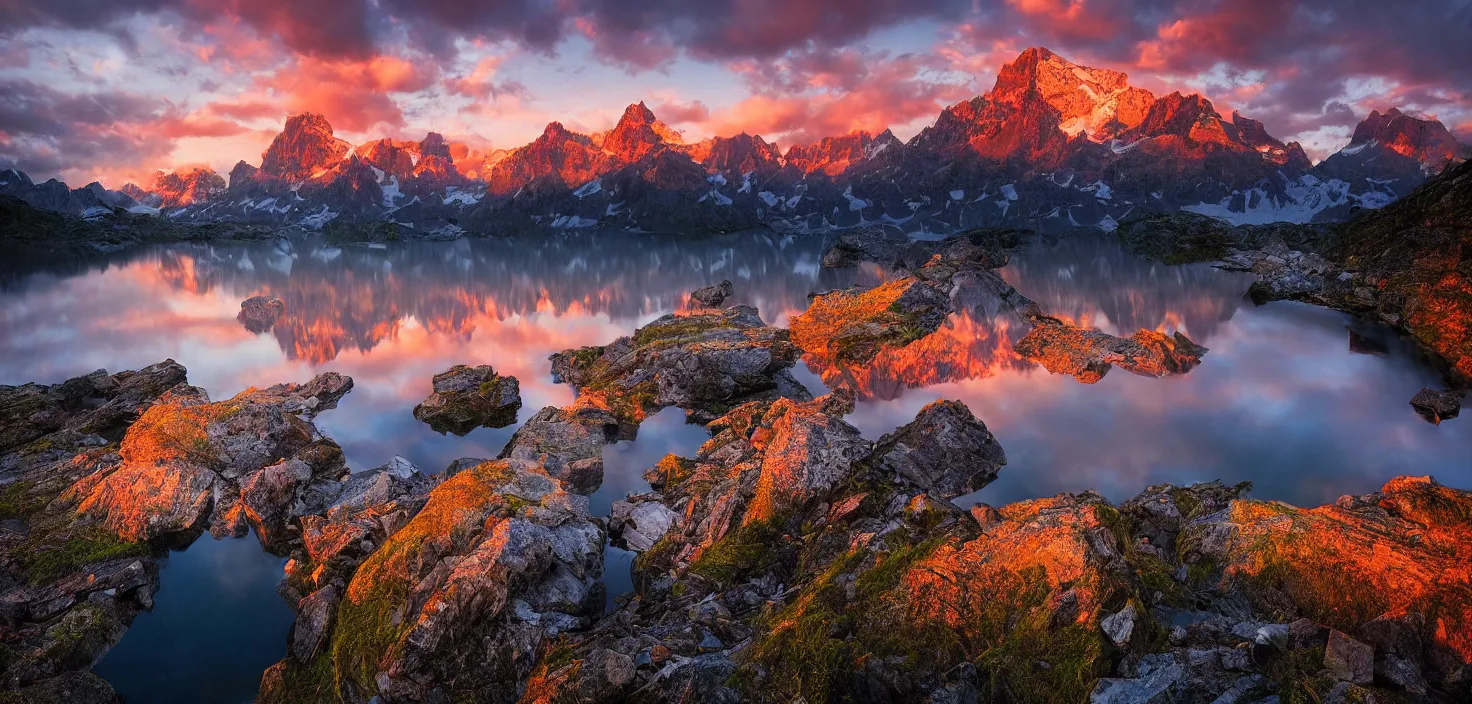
[1279, 400]
[217, 623]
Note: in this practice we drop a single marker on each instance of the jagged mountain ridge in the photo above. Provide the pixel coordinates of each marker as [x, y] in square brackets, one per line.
[1052, 145]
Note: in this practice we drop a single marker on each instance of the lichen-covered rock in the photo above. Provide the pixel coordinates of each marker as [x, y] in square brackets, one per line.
[805, 451]
[711, 296]
[259, 313]
[349, 521]
[465, 398]
[1088, 354]
[186, 455]
[98, 404]
[1403, 550]
[457, 603]
[68, 586]
[1436, 406]
[946, 451]
[853, 325]
[705, 362]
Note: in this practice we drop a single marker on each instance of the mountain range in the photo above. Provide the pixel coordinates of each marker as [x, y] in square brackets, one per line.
[1053, 145]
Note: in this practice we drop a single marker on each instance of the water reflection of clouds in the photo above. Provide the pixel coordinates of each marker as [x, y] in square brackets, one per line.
[1279, 399]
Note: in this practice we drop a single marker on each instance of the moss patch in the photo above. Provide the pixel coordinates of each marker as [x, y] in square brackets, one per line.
[44, 563]
[745, 552]
[20, 500]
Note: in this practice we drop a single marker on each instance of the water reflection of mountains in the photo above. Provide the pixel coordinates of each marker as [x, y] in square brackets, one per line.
[356, 296]
[1084, 276]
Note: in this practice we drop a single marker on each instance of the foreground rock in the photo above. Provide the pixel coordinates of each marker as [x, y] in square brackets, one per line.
[349, 524]
[70, 587]
[712, 296]
[789, 558]
[259, 313]
[569, 442]
[254, 461]
[455, 605]
[1088, 354]
[946, 451]
[465, 398]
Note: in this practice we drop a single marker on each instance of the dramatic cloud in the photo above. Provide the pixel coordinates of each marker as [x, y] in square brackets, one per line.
[129, 85]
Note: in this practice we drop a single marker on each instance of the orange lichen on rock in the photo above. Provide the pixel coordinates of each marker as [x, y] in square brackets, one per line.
[1087, 354]
[852, 326]
[1060, 542]
[804, 451]
[1404, 549]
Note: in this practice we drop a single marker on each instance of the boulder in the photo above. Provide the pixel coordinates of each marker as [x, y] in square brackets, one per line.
[259, 313]
[1348, 659]
[1436, 406]
[568, 443]
[638, 526]
[313, 622]
[945, 452]
[711, 296]
[465, 398]
[705, 362]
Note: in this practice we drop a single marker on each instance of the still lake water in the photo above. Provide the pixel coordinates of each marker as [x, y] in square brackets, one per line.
[1284, 398]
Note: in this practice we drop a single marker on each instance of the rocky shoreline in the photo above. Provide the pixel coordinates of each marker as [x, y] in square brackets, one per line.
[788, 559]
[1408, 266]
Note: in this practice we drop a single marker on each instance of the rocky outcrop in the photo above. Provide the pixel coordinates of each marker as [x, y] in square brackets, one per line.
[465, 398]
[854, 325]
[458, 602]
[1088, 355]
[705, 362]
[248, 461]
[69, 587]
[259, 313]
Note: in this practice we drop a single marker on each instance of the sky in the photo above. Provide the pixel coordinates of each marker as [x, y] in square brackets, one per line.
[113, 90]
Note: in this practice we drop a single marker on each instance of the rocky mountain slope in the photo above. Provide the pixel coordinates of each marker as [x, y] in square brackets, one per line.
[1053, 145]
